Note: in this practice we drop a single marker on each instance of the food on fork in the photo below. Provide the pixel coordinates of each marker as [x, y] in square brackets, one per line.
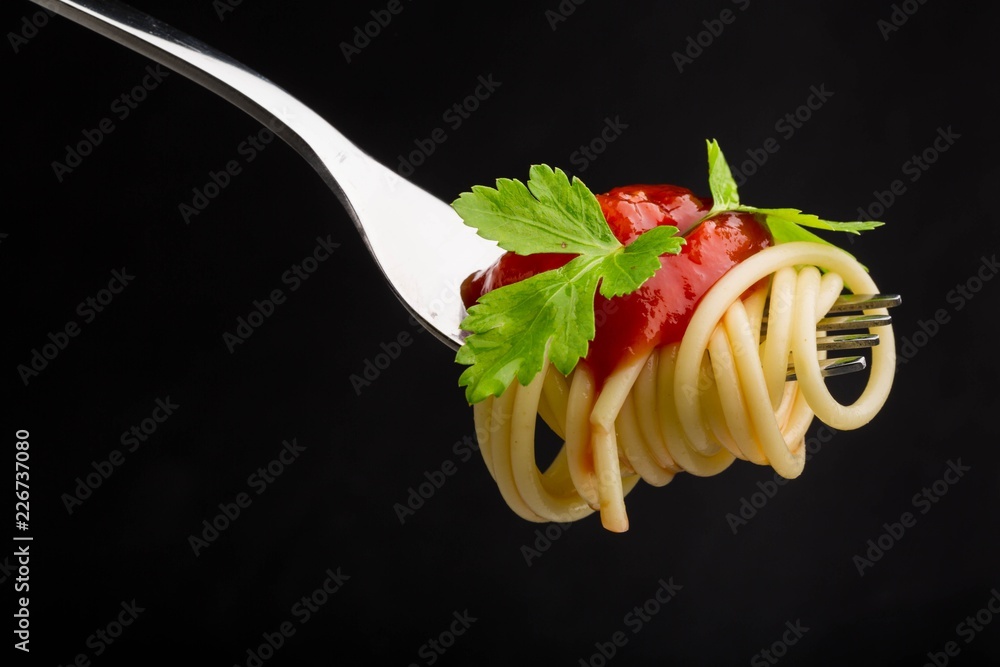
[653, 331]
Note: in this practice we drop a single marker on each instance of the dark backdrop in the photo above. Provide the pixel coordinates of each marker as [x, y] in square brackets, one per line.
[785, 580]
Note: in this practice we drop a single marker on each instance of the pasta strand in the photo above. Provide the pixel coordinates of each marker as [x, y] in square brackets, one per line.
[695, 406]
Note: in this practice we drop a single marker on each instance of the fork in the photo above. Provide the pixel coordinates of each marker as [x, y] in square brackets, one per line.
[847, 303]
[418, 241]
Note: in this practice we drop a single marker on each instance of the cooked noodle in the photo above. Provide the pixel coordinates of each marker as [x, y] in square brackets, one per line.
[694, 406]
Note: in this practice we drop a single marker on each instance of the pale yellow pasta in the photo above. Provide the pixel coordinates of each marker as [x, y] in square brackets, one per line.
[695, 406]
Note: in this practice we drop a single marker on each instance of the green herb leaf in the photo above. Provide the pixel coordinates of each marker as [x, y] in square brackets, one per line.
[797, 217]
[549, 214]
[784, 231]
[517, 324]
[720, 180]
[625, 270]
[785, 224]
[514, 327]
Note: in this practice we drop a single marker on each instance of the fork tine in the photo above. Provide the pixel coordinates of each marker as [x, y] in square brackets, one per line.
[848, 303]
[846, 341]
[842, 322]
[835, 366]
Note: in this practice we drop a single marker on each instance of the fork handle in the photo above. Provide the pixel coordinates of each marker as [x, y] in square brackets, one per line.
[418, 241]
[246, 89]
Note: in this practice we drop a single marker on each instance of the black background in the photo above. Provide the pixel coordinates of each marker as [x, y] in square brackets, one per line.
[334, 506]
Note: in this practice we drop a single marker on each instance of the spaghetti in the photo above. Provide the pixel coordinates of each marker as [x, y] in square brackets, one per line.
[696, 405]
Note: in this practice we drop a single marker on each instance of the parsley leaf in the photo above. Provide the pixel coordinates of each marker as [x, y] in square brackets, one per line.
[797, 217]
[627, 269]
[785, 224]
[549, 214]
[514, 327]
[720, 180]
[784, 231]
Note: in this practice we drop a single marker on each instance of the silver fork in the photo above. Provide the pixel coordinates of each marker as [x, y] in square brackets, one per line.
[848, 303]
[418, 241]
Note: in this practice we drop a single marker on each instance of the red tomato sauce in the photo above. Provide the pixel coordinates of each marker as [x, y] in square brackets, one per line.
[658, 312]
